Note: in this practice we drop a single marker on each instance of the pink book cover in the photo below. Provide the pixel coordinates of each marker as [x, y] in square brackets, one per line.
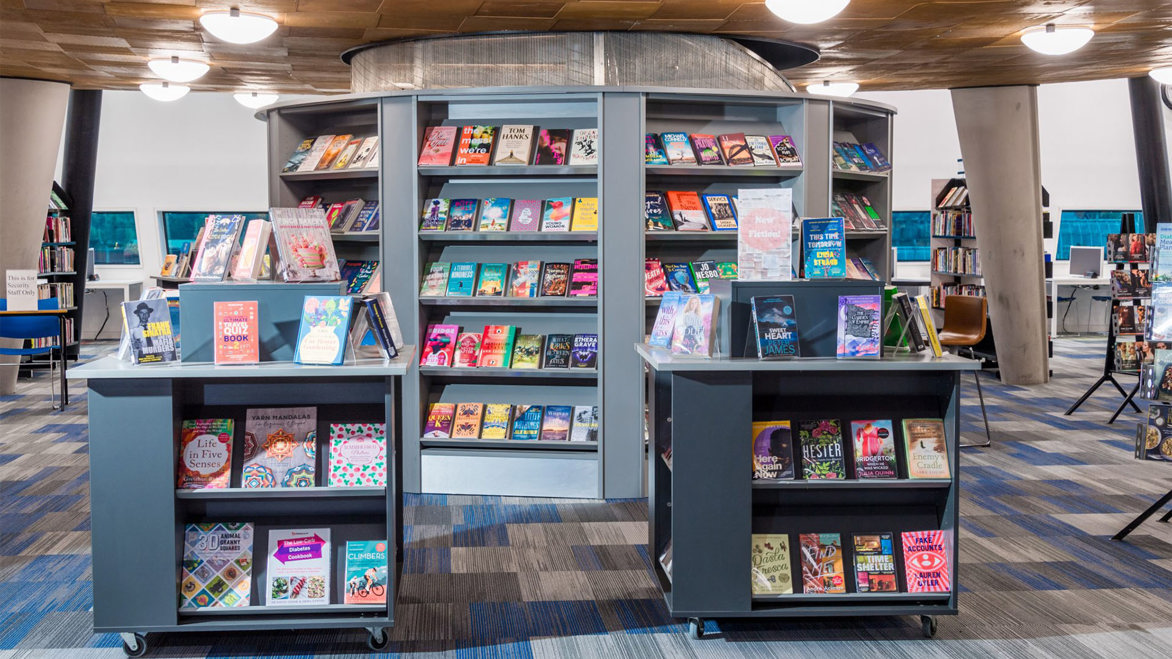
[467, 350]
[926, 558]
[438, 143]
[439, 345]
[358, 455]
[526, 215]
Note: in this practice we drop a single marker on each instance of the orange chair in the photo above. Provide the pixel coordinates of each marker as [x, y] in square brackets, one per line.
[965, 322]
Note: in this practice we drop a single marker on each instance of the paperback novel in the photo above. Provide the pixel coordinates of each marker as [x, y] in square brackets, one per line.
[694, 328]
[677, 148]
[280, 447]
[584, 147]
[687, 211]
[440, 417]
[555, 426]
[216, 249]
[707, 150]
[553, 146]
[497, 419]
[468, 417]
[665, 320]
[770, 562]
[585, 351]
[496, 346]
[720, 211]
[773, 452]
[467, 353]
[584, 278]
[859, 326]
[525, 278]
[555, 279]
[822, 564]
[557, 214]
[654, 278]
[875, 563]
[439, 345]
[527, 351]
[760, 151]
[475, 145]
[655, 212]
[927, 559]
[735, 149]
[526, 215]
[653, 153]
[494, 214]
[585, 428]
[462, 280]
[927, 449]
[585, 214]
[435, 279]
[527, 422]
[304, 244]
[874, 443]
[492, 279]
[557, 350]
[514, 145]
[435, 214]
[822, 449]
[775, 325]
[703, 272]
[824, 247]
[679, 277]
[462, 214]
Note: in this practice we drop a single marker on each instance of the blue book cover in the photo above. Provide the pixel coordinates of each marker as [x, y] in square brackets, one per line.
[494, 214]
[665, 320]
[585, 351]
[366, 572]
[776, 325]
[462, 280]
[556, 425]
[876, 156]
[367, 217]
[824, 248]
[325, 322]
[655, 212]
[527, 422]
[859, 321]
[462, 214]
[652, 153]
[679, 277]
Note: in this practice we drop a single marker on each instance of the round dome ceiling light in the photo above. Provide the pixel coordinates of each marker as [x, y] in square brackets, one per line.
[806, 12]
[827, 88]
[255, 100]
[178, 70]
[1162, 75]
[1050, 39]
[235, 26]
[164, 91]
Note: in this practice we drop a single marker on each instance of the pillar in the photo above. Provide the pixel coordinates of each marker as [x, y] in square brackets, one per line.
[78, 169]
[1147, 122]
[998, 130]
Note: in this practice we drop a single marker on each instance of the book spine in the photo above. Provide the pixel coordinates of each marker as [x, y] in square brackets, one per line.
[381, 332]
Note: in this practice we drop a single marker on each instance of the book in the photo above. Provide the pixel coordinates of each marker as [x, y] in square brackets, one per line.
[764, 236]
[347, 154]
[526, 215]
[439, 142]
[314, 156]
[492, 279]
[585, 214]
[770, 563]
[555, 280]
[440, 417]
[475, 145]
[497, 419]
[466, 424]
[822, 449]
[367, 155]
[366, 572]
[859, 326]
[877, 157]
[727, 270]
[822, 569]
[524, 280]
[875, 563]
[462, 214]
[824, 248]
[527, 351]
[280, 447]
[760, 151]
[304, 244]
[333, 151]
[467, 352]
[325, 323]
[654, 278]
[362, 274]
[1158, 324]
[655, 212]
[927, 559]
[527, 422]
[462, 280]
[251, 255]
[679, 277]
[677, 148]
[928, 326]
[147, 326]
[557, 214]
[494, 214]
[236, 335]
[927, 448]
[775, 326]
[555, 426]
[215, 252]
[736, 151]
[874, 443]
[785, 150]
[584, 353]
[687, 211]
[720, 211]
[358, 455]
[653, 153]
[435, 279]
[298, 156]
[707, 150]
[1154, 440]
[661, 331]
[585, 428]
[557, 350]
[584, 278]
[1161, 253]
[298, 567]
[496, 346]
[552, 146]
[439, 345]
[773, 451]
[205, 453]
[694, 332]
[584, 147]
[217, 565]
[169, 262]
[514, 145]
[435, 214]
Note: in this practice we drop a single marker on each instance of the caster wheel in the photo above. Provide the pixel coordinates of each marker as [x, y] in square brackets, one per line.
[928, 626]
[695, 628]
[138, 648]
[378, 640]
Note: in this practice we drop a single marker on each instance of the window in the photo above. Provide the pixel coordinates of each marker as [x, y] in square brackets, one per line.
[180, 227]
[114, 238]
[910, 234]
[1090, 229]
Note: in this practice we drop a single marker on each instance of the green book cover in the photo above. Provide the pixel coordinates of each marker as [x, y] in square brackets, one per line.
[822, 449]
[492, 280]
[527, 351]
[727, 270]
[435, 279]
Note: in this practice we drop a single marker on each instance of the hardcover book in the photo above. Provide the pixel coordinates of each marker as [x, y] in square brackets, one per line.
[822, 569]
[822, 449]
[527, 422]
[555, 427]
[707, 150]
[205, 453]
[462, 214]
[927, 449]
[366, 572]
[785, 149]
[251, 256]
[665, 320]
[298, 156]
[526, 215]
[475, 146]
[824, 248]
[875, 563]
[309, 163]
[655, 212]
[146, 325]
[557, 350]
[280, 447]
[927, 559]
[439, 345]
[492, 279]
[435, 279]
[760, 151]
[462, 280]
[679, 277]
[467, 421]
[654, 278]
[467, 354]
[775, 325]
[764, 238]
[557, 214]
[304, 244]
[525, 279]
[859, 326]
[555, 279]
[720, 211]
[653, 153]
[584, 147]
[585, 351]
[358, 455]
[298, 567]
[677, 148]
[773, 452]
[367, 154]
[440, 417]
[874, 443]
[217, 565]
[435, 214]
[687, 211]
[695, 325]
[496, 346]
[237, 337]
[333, 151]
[770, 561]
[527, 350]
[497, 419]
[215, 252]
[553, 145]
[514, 145]
[584, 278]
[325, 322]
[585, 428]
[735, 149]
[585, 214]
[494, 214]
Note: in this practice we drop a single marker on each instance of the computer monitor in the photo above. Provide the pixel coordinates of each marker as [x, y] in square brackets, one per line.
[1086, 261]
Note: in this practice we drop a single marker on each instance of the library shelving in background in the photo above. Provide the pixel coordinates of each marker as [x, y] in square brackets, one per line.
[861, 124]
[952, 231]
[57, 278]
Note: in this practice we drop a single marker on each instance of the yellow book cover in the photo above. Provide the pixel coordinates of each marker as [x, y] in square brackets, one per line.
[496, 421]
[169, 265]
[933, 339]
[771, 564]
[585, 214]
[467, 424]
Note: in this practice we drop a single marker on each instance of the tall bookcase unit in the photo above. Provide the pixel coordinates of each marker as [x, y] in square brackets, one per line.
[860, 124]
[58, 267]
[955, 257]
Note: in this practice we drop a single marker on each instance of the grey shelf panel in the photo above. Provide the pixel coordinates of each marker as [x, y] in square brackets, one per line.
[855, 484]
[557, 237]
[229, 612]
[533, 303]
[860, 176]
[509, 444]
[356, 237]
[232, 493]
[60, 243]
[509, 373]
[56, 274]
[525, 171]
[113, 368]
[798, 598]
[944, 237]
[331, 175]
[722, 171]
[663, 360]
[866, 234]
[957, 274]
[691, 236]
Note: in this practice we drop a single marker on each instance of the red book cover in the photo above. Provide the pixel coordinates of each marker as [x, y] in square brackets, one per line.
[439, 346]
[438, 144]
[496, 346]
[687, 211]
[736, 149]
[926, 558]
[237, 335]
[467, 350]
[654, 281]
[475, 145]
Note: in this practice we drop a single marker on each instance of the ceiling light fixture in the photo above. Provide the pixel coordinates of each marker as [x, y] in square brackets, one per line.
[236, 26]
[1050, 39]
[827, 88]
[1163, 75]
[178, 70]
[255, 100]
[164, 91]
[806, 12]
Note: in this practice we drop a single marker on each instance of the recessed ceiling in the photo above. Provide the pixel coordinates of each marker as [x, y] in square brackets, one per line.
[883, 44]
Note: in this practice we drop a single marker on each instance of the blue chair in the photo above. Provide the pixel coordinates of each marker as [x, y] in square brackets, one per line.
[24, 328]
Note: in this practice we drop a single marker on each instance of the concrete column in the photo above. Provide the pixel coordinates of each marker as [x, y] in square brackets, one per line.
[32, 113]
[1151, 155]
[998, 130]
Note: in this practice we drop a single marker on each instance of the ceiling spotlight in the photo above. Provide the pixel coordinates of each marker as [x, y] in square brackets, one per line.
[1163, 75]
[236, 26]
[178, 70]
[255, 100]
[1049, 39]
[806, 12]
[827, 88]
[164, 91]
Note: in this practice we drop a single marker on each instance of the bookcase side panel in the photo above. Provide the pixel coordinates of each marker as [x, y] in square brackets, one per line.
[816, 156]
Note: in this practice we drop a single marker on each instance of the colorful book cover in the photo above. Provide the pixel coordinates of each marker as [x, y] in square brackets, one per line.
[333, 151]
[652, 153]
[707, 150]
[735, 149]
[665, 320]
[527, 422]
[251, 256]
[927, 558]
[205, 453]
[439, 345]
[496, 346]
[555, 279]
[215, 252]
[874, 443]
[435, 214]
[822, 449]
[475, 146]
[325, 322]
[760, 151]
[773, 450]
[362, 276]
[440, 417]
[720, 211]
[927, 325]
[298, 567]
[237, 336]
[462, 214]
[525, 279]
[687, 211]
[694, 331]
[280, 447]
[358, 455]
[462, 280]
[217, 565]
[557, 214]
[298, 156]
[764, 237]
[584, 147]
[367, 155]
[553, 145]
[527, 351]
[654, 278]
[824, 248]
[557, 350]
[1158, 325]
[785, 149]
[655, 212]
[497, 419]
[514, 145]
[876, 156]
[584, 278]
[347, 154]
[859, 326]
[466, 424]
[494, 214]
[585, 428]
[822, 569]
[775, 324]
[729, 270]
[492, 279]
[147, 328]
[770, 561]
[927, 448]
[304, 244]
[677, 148]
[366, 572]
[435, 279]
[309, 163]
[679, 277]
[585, 214]
[1162, 253]
[467, 353]
[585, 351]
[875, 563]
[526, 215]
[555, 426]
